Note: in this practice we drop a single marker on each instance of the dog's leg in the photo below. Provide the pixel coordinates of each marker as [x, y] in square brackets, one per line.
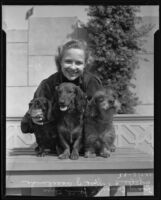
[104, 152]
[76, 147]
[37, 149]
[38, 141]
[58, 149]
[110, 139]
[42, 152]
[66, 152]
[112, 148]
[90, 152]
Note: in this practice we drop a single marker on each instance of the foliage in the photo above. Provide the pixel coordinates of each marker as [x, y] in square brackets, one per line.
[115, 38]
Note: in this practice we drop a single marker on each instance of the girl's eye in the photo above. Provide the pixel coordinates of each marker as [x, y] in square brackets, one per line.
[79, 63]
[68, 61]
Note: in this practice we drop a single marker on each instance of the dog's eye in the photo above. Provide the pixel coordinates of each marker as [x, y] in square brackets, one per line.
[70, 91]
[111, 101]
[37, 103]
[101, 99]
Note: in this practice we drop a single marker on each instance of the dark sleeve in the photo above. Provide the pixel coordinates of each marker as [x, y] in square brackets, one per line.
[27, 125]
[93, 84]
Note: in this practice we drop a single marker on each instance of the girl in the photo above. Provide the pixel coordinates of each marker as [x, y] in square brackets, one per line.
[71, 61]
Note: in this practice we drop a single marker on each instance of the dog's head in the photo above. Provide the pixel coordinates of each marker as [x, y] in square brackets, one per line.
[103, 100]
[70, 97]
[41, 109]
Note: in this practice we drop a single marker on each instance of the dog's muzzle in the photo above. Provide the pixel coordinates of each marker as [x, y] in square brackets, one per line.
[63, 107]
[37, 113]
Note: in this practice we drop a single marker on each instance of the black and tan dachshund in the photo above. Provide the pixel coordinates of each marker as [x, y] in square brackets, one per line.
[71, 105]
[98, 125]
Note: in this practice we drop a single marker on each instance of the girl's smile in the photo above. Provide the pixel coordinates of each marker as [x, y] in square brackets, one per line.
[73, 63]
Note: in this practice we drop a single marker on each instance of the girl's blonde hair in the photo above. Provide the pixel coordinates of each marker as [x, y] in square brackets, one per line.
[72, 44]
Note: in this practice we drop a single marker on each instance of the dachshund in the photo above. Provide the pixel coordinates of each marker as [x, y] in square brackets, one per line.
[45, 128]
[98, 124]
[71, 106]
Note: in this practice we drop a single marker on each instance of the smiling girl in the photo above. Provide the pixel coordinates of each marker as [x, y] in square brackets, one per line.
[71, 60]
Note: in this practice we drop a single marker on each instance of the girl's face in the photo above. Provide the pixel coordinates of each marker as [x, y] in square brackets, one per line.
[73, 63]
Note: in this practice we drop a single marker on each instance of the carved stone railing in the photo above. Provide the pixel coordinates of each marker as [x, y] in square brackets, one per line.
[135, 131]
[132, 131]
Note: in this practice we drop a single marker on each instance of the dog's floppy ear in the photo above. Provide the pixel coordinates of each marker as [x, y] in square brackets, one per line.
[30, 105]
[117, 105]
[56, 92]
[55, 98]
[92, 108]
[80, 99]
[49, 112]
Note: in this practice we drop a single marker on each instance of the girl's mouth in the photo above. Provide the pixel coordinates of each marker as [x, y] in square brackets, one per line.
[73, 72]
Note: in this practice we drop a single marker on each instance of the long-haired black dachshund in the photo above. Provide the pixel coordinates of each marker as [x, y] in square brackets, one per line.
[70, 106]
[98, 124]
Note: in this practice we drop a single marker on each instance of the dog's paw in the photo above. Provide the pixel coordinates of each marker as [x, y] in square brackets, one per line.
[105, 154]
[64, 155]
[89, 155]
[74, 155]
[113, 148]
[41, 154]
[37, 149]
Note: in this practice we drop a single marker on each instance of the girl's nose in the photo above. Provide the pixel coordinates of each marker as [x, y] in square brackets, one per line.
[73, 65]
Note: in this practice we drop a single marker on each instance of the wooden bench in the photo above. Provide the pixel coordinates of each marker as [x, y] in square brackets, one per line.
[128, 171]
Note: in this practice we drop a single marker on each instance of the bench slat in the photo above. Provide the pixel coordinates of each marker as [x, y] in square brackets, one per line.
[121, 159]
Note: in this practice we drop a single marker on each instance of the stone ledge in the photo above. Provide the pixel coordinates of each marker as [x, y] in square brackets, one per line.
[121, 117]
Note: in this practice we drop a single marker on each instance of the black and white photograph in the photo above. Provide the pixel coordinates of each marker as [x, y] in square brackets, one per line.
[79, 100]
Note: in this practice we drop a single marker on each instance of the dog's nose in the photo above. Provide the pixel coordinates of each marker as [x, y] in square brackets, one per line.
[37, 103]
[111, 102]
[61, 102]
